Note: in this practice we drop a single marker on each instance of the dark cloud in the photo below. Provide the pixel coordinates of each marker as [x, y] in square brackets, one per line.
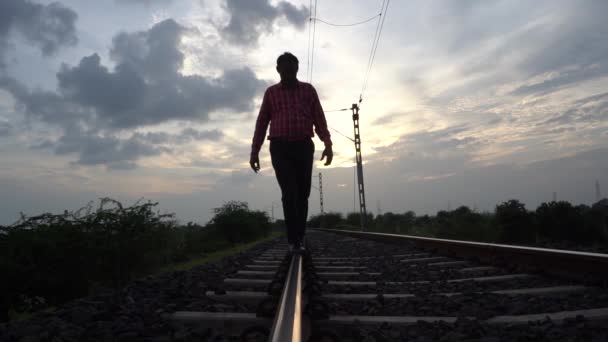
[98, 148]
[249, 19]
[47, 106]
[91, 85]
[46, 26]
[154, 53]
[145, 87]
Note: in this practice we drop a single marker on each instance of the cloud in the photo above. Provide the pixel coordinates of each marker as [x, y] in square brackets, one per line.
[5, 128]
[47, 26]
[144, 88]
[144, 2]
[91, 85]
[115, 152]
[249, 19]
[429, 153]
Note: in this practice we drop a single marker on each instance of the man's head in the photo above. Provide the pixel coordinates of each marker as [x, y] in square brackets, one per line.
[287, 66]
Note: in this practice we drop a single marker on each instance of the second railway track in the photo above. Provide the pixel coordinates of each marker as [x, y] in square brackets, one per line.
[345, 288]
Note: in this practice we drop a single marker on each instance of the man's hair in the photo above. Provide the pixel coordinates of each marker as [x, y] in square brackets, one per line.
[287, 56]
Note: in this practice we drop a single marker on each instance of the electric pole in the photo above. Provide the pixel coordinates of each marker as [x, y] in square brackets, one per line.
[359, 159]
[598, 193]
[321, 192]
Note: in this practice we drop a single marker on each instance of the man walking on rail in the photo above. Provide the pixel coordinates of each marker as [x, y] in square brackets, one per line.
[292, 108]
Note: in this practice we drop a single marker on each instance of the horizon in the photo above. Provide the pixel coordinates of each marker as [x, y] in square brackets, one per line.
[466, 104]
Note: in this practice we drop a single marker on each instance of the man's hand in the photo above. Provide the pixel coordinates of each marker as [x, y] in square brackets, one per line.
[254, 161]
[329, 154]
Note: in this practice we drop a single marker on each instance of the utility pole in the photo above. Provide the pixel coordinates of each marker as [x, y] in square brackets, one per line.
[598, 193]
[271, 211]
[359, 159]
[321, 192]
[554, 196]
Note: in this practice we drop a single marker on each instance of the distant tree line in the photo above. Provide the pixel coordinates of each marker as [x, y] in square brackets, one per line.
[556, 224]
[49, 259]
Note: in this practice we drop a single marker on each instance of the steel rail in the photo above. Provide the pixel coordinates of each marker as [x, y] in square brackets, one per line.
[566, 263]
[287, 324]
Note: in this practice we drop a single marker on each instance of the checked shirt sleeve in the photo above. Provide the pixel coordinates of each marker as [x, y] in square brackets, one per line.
[319, 119]
[261, 125]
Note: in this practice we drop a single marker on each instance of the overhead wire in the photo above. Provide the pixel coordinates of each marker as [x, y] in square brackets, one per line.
[312, 56]
[352, 24]
[369, 58]
[309, 39]
[336, 110]
[342, 134]
[374, 48]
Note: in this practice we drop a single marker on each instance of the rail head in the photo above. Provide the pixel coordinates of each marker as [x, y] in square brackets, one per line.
[287, 324]
[572, 264]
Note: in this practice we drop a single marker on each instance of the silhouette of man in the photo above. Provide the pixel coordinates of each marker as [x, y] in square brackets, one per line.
[292, 108]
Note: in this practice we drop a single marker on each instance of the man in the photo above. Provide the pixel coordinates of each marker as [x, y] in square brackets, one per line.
[292, 108]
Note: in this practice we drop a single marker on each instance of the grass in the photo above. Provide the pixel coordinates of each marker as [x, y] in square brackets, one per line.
[187, 265]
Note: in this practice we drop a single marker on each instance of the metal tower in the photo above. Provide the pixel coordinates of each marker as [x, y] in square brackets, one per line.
[359, 159]
[321, 192]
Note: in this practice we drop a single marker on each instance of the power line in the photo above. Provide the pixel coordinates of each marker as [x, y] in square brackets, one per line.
[336, 110]
[309, 38]
[335, 130]
[353, 24]
[312, 53]
[374, 48]
[369, 58]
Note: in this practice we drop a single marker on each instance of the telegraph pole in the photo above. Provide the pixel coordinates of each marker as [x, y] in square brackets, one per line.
[321, 192]
[359, 159]
[598, 192]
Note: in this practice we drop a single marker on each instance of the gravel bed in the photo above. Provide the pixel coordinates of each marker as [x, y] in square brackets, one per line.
[324, 244]
[481, 306]
[135, 312]
[444, 287]
[576, 329]
[394, 273]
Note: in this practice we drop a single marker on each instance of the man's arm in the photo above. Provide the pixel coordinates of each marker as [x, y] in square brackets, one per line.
[261, 125]
[321, 127]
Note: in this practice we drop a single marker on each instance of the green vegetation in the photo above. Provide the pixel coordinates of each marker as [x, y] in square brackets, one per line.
[551, 224]
[49, 259]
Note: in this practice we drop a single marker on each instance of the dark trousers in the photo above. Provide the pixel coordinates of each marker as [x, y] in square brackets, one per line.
[292, 163]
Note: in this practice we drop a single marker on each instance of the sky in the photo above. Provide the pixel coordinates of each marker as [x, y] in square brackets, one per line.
[467, 103]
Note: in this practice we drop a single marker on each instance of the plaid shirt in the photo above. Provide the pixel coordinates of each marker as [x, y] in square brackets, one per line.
[291, 114]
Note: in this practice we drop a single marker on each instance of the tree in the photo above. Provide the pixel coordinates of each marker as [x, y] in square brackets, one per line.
[560, 221]
[237, 223]
[515, 222]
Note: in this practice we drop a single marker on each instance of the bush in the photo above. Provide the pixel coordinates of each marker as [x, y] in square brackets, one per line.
[55, 258]
[236, 223]
[515, 222]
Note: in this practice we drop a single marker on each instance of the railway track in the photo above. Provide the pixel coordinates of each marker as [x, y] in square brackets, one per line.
[348, 287]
